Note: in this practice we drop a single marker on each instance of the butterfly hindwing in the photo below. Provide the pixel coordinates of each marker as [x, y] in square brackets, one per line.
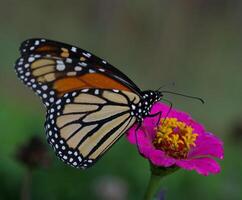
[82, 125]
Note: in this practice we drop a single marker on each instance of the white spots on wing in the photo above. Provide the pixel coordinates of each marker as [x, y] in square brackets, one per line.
[26, 65]
[58, 101]
[87, 54]
[27, 74]
[44, 87]
[73, 49]
[83, 64]
[69, 152]
[102, 70]
[31, 59]
[34, 85]
[104, 62]
[79, 158]
[96, 92]
[32, 48]
[91, 71]
[52, 92]
[36, 42]
[77, 68]
[42, 40]
[68, 100]
[68, 60]
[37, 56]
[44, 96]
[60, 65]
[51, 99]
[85, 90]
[116, 91]
[133, 106]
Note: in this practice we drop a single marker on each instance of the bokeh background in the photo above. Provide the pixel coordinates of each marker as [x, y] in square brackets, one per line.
[195, 43]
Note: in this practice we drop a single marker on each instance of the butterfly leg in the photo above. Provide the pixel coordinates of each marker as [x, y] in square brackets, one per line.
[136, 137]
[154, 115]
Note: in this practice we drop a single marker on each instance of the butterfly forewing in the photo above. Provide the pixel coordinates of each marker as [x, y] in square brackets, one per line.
[82, 125]
[55, 60]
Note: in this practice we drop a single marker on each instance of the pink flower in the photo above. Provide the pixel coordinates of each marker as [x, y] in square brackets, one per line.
[177, 141]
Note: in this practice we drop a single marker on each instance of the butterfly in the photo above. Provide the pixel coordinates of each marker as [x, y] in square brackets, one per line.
[90, 103]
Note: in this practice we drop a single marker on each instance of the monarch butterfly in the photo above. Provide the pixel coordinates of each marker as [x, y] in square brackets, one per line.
[90, 103]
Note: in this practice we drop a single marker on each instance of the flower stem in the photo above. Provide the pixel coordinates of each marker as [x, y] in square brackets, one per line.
[157, 173]
[26, 185]
[153, 186]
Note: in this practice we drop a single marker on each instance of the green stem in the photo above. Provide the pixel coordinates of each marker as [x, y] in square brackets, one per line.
[26, 185]
[153, 186]
[157, 173]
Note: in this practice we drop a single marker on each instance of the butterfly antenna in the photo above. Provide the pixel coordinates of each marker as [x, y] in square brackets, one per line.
[184, 95]
[172, 84]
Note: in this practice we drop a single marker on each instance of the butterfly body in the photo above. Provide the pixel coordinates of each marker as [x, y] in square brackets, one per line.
[90, 104]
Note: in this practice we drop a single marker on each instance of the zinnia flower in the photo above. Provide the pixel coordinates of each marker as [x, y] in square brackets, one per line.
[178, 141]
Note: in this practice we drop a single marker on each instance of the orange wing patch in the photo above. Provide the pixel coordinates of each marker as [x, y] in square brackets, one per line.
[93, 80]
[45, 48]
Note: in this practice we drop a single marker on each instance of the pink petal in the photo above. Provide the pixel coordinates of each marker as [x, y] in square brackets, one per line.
[207, 145]
[130, 135]
[204, 166]
[159, 158]
[142, 140]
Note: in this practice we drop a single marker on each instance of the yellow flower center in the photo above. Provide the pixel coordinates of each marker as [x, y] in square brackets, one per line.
[174, 137]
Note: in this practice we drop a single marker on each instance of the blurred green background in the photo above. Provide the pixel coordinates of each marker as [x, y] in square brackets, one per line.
[196, 43]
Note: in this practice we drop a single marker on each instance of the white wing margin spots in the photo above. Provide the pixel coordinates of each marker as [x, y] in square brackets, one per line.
[82, 129]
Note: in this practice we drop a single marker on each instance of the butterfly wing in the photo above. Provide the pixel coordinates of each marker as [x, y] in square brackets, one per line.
[52, 68]
[82, 125]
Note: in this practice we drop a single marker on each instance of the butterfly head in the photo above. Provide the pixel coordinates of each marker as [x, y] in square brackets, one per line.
[150, 97]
